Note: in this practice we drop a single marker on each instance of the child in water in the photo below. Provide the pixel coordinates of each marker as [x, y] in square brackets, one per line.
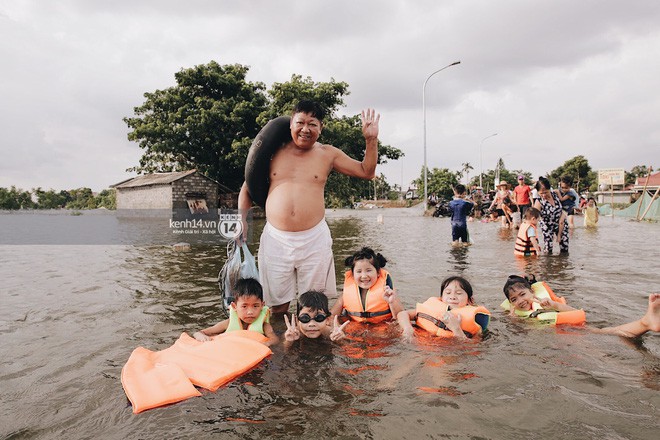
[591, 213]
[527, 243]
[518, 291]
[451, 315]
[246, 312]
[313, 320]
[368, 294]
[460, 208]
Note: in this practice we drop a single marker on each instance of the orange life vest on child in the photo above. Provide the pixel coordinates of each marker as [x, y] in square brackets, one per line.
[376, 308]
[474, 319]
[523, 246]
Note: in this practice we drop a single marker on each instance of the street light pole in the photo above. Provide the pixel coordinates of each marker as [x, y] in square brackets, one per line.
[481, 159]
[426, 195]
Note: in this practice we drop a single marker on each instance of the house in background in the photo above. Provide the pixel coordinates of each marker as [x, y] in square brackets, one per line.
[187, 194]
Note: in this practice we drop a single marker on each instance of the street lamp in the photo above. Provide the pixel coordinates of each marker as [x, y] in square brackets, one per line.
[426, 195]
[481, 159]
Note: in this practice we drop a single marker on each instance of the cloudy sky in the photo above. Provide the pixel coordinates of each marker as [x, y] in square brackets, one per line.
[554, 78]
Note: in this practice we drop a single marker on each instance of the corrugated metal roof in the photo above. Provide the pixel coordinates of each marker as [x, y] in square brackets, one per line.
[153, 179]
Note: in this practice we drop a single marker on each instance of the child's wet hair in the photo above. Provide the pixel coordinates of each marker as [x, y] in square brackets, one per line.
[465, 285]
[531, 213]
[248, 287]
[315, 300]
[515, 280]
[366, 253]
[460, 188]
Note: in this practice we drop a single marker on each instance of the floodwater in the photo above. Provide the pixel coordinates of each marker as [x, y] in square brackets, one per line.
[70, 316]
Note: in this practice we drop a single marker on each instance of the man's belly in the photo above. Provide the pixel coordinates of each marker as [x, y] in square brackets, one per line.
[295, 208]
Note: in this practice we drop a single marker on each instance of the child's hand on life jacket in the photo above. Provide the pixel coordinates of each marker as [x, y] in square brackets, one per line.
[388, 294]
[453, 322]
[338, 330]
[292, 333]
[546, 303]
[201, 337]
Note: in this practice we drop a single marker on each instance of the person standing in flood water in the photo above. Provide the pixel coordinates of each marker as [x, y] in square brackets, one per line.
[295, 250]
[554, 224]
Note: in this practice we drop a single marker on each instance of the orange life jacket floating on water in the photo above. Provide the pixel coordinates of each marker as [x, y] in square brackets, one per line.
[157, 378]
[376, 307]
[542, 290]
[474, 319]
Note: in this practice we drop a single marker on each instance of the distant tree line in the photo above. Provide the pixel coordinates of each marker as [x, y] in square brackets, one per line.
[81, 198]
[442, 180]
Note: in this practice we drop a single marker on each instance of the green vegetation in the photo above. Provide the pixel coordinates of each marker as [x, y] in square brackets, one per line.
[81, 198]
[208, 119]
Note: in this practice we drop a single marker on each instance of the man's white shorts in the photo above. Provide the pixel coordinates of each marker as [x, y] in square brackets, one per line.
[292, 263]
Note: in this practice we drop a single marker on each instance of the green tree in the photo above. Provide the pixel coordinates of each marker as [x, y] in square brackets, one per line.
[635, 172]
[511, 177]
[81, 198]
[343, 132]
[207, 121]
[465, 171]
[106, 199]
[440, 181]
[51, 199]
[14, 198]
[284, 96]
[579, 169]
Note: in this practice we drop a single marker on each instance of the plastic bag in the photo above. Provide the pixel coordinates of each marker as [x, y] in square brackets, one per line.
[235, 268]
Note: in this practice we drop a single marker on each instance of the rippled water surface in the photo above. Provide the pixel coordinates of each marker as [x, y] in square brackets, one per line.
[71, 315]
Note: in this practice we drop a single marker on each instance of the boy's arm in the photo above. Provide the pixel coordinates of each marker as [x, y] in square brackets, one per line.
[404, 319]
[205, 335]
[338, 306]
[549, 304]
[535, 244]
[270, 334]
[562, 219]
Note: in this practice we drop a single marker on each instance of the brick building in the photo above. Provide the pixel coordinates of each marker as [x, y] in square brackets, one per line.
[184, 193]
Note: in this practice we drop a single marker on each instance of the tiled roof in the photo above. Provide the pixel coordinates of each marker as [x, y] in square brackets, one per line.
[654, 180]
[153, 179]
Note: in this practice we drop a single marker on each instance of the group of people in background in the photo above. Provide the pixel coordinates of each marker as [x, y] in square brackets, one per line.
[525, 208]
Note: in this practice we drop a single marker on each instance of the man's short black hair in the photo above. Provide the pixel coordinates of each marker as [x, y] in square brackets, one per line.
[310, 107]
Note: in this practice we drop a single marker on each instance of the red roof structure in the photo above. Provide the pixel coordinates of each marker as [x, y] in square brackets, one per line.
[653, 181]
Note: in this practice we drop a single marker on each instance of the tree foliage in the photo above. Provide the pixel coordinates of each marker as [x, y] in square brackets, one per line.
[81, 198]
[440, 181]
[509, 176]
[14, 198]
[635, 172]
[579, 170]
[207, 121]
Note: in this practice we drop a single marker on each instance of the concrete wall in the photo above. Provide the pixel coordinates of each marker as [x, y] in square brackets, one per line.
[145, 197]
[619, 197]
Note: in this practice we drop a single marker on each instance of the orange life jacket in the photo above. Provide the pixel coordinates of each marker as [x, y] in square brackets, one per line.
[474, 319]
[376, 308]
[523, 246]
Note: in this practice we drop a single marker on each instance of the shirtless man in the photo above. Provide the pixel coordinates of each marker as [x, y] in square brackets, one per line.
[295, 250]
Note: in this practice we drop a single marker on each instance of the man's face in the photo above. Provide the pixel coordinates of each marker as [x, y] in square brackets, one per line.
[305, 130]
